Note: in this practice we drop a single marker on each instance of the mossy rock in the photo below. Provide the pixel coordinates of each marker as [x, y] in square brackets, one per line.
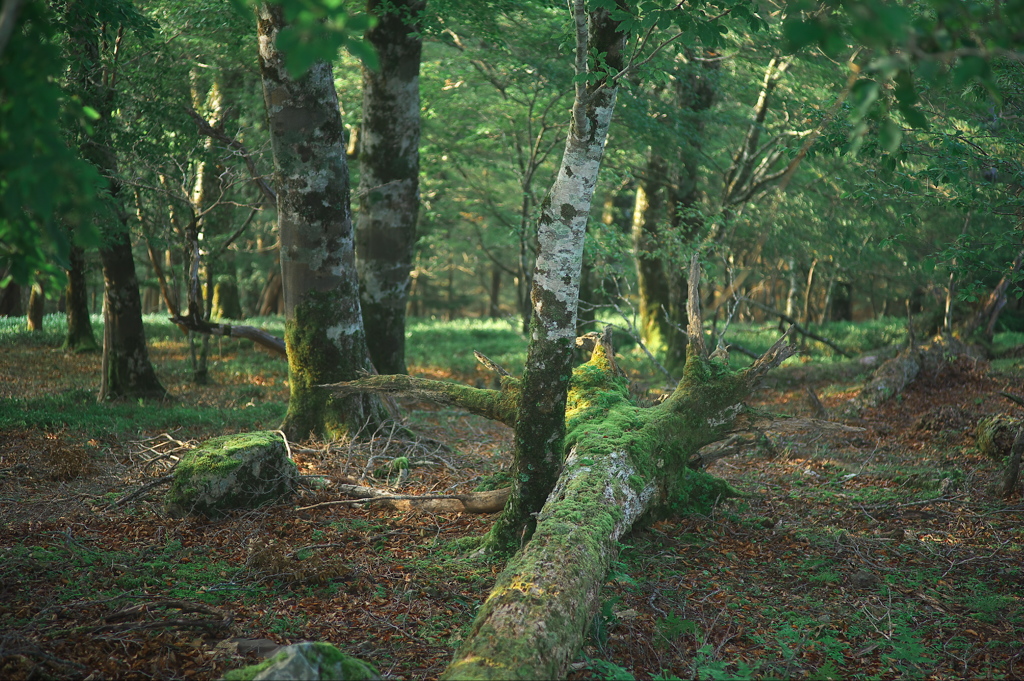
[306, 662]
[994, 435]
[231, 472]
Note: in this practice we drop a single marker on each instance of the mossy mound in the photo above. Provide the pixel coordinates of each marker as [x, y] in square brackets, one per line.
[307, 661]
[231, 472]
[994, 435]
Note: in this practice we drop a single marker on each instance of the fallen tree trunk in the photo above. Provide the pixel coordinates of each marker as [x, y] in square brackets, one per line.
[623, 462]
[894, 375]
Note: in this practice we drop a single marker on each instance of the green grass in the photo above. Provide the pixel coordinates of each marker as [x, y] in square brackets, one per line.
[79, 410]
[432, 344]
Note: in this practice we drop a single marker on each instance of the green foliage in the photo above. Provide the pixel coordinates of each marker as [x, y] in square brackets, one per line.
[45, 186]
[608, 671]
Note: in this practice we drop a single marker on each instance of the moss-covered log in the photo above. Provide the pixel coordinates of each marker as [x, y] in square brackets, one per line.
[624, 462]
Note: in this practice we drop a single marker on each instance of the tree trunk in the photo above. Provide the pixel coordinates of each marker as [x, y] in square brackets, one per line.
[36, 305]
[494, 293]
[80, 337]
[323, 320]
[10, 300]
[651, 280]
[389, 164]
[540, 421]
[127, 371]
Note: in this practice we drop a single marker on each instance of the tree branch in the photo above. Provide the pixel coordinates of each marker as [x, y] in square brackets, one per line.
[256, 335]
[497, 405]
[218, 134]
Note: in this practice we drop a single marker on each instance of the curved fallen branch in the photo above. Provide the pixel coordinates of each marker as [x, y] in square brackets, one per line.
[796, 325]
[256, 335]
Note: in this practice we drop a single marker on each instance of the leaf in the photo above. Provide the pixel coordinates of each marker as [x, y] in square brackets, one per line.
[890, 136]
[798, 33]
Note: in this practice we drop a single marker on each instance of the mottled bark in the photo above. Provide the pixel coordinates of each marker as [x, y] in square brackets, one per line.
[80, 337]
[389, 165]
[540, 421]
[323, 320]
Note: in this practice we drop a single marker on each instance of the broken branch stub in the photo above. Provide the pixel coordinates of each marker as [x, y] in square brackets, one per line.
[695, 322]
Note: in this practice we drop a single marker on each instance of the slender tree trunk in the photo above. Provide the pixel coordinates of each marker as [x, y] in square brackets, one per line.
[389, 165]
[494, 299]
[80, 337]
[540, 422]
[805, 316]
[323, 320]
[36, 305]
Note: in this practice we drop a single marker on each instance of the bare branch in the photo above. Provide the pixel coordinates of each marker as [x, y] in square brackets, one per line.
[773, 357]
[218, 134]
[256, 335]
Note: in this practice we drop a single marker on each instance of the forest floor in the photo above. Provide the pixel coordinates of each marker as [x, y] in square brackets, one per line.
[880, 553]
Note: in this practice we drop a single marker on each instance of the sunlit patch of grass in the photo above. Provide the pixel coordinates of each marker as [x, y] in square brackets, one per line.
[433, 344]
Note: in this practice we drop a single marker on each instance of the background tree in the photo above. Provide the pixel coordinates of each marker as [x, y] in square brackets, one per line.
[389, 139]
[95, 34]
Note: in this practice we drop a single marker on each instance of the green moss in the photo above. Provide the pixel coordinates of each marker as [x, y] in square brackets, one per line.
[696, 492]
[315, 359]
[499, 480]
[994, 435]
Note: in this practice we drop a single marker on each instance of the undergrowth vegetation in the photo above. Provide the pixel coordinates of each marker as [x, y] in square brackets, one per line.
[874, 552]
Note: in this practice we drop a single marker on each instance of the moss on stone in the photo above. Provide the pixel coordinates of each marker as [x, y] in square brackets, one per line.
[331, 663]
[219, 462]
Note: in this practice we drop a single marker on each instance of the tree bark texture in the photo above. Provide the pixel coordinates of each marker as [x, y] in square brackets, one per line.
[540, 421]
[323, 320]
[80, 337]
[127, 369]
[389, 166]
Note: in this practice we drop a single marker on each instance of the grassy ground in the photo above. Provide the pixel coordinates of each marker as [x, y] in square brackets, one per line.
[877, 553]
